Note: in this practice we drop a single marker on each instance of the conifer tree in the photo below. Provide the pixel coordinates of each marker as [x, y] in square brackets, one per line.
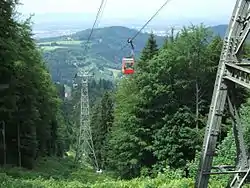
[101, 122]
[148, 52]
[169, 39]
[30, 106]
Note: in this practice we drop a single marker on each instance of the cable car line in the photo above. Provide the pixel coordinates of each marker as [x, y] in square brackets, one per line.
[152, 17]
[97, 16]
[100, 11]
[96, 19]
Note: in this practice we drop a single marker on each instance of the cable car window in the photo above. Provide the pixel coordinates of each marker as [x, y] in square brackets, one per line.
[129, 65]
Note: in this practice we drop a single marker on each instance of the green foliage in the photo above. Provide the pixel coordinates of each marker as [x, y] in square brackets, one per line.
[170, 39]
[101, 123]
[30, 106]
[52, 173]
[123, 139]
[175, 140]
[148, 52]
[151, 127]
[160, 112]
[18, 178]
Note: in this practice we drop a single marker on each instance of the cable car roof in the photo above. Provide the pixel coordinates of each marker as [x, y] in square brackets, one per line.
[128, 58]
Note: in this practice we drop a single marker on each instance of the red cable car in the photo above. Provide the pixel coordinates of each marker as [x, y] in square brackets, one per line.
[128, 65]
[128, 62]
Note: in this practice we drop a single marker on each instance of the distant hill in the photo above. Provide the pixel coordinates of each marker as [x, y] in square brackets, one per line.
[107, 41]
[104, 55]
[219, 30]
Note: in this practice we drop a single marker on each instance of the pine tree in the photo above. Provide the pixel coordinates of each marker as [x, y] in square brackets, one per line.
[169, 39]
[148, 52]
[101, 123]
[30, 108]
[124, 147]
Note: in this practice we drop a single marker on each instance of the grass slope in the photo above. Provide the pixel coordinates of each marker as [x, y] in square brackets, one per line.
[51, 172]
[63, 173]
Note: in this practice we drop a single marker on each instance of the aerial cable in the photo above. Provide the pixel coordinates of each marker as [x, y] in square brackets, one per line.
[101, 13]
[96, 19]
[97, 16]
[152, 17]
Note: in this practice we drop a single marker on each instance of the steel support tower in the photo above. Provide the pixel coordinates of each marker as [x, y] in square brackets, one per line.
[85, 146]
[231, 70]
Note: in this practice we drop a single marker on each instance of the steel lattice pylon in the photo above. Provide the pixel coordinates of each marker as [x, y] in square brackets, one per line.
[85, 146]
[231, 71]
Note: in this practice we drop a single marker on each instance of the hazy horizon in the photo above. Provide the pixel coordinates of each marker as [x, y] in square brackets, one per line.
[126, 13]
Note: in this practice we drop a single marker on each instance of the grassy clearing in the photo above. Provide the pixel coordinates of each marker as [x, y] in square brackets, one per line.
[115, 71]
[50, 48]
[63, 173]
[51, 173]
[63, 42]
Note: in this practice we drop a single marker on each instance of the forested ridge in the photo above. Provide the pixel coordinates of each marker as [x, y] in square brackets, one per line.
[147, 128]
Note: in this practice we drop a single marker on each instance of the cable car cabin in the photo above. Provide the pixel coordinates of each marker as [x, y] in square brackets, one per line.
[128, 65]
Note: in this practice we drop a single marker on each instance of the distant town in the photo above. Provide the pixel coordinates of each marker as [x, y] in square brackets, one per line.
[60, 32]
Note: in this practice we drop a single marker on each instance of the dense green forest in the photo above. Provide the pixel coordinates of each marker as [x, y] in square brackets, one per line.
[147, 128]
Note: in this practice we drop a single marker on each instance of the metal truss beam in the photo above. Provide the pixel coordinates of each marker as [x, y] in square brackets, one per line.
[85, 146]
[231, 70]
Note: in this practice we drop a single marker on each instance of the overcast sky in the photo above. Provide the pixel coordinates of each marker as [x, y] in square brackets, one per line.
[134, 9]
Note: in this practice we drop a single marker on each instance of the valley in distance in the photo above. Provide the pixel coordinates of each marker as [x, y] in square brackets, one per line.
[64, 45]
